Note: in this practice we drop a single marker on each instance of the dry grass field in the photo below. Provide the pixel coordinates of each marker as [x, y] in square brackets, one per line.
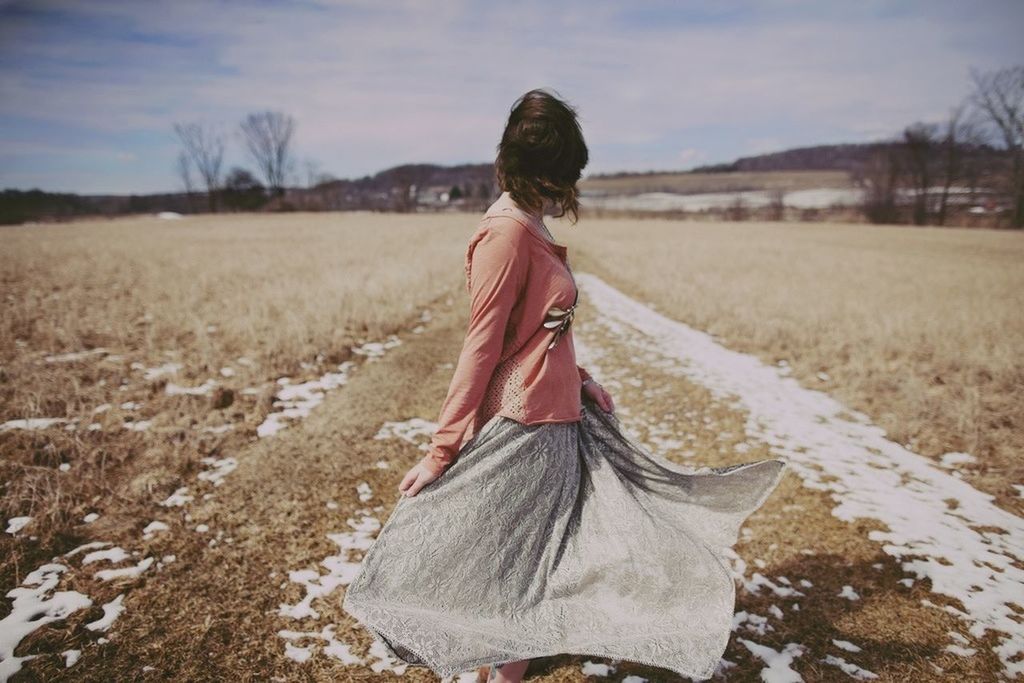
[188, 332]
[108, 313]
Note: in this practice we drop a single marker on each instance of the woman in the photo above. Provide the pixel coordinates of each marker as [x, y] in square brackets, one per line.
[533, 526]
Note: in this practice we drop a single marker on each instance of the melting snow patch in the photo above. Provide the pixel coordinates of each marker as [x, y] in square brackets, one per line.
[112, 555]
[845, 645]
[71, 657]
[753, 622]
[384, 659]
[219, 468]
[590, 668]
[296, 401]
[32, 423]
[778, 669]
[90, 518]
[332, 646]
[849, 668]
[124, 572]
[972, 553]
[178, 499]
[111, 611]
[203, 389]
[34, 604]
[848, 593]
[341, 570]
[374, 350]
[16, 524]
[160, 371]
[152, 528]
[412, 430]
[299, 654]
[364, 491]
[138, 425]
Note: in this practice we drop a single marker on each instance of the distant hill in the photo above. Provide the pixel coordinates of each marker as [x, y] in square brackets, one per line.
[849, 157]
[471, 187]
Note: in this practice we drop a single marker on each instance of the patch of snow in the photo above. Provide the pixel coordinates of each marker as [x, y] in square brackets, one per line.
[86, 546]
[159, 371]
[364, 491]
[152, 528]
[849, 668]
[219, 468]
[299, 654]
[112, 555]
[848, 593]
[16, 524]
[203, 389]
[138, 425]
[169, 216]
[416, 431]
[34, 604]
[341, 570]
[111, 611]
[846, 645]
[90, 518]
[179, 498]
[972, 553]
[32, 423]
[752, 622]
[384, 660]
[374, 350]
[296, 401]
[125, 572]
[71, 657]
[778, 661]
[590, 668]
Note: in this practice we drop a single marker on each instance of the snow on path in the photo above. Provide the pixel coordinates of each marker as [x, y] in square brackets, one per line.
[968, 552]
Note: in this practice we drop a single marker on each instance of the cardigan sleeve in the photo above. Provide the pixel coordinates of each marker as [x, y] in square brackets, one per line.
[497, 275]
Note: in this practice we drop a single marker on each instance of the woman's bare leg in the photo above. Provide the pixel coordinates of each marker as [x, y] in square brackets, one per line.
[510, 672]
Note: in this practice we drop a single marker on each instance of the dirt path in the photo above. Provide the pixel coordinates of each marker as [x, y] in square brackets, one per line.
[256, 581]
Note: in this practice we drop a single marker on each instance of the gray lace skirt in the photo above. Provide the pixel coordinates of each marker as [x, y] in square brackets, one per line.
[560, 538]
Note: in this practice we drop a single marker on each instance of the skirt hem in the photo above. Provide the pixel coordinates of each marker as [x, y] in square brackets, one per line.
[444, 671]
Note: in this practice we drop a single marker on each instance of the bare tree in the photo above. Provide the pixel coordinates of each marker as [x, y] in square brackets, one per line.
[999, 96]
[960, 139]
[921, 143]
[184, 168]
[204, 147]
[880, 179]
[268, 137]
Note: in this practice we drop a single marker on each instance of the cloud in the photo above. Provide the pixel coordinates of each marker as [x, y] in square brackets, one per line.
[372, 84]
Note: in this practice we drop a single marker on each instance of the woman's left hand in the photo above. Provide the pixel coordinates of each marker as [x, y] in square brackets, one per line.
[601, 397]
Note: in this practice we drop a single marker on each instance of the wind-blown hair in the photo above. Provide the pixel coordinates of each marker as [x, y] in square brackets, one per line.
[542, 153]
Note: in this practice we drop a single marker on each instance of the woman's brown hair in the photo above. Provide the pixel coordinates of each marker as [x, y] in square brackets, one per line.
[542, 153]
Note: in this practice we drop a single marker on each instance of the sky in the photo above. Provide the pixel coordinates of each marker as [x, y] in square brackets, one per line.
[90, 91]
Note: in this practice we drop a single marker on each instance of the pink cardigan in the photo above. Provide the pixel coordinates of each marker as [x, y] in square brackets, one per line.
[514, 275]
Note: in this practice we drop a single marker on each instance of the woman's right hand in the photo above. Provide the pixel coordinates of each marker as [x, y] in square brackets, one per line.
[415, 479]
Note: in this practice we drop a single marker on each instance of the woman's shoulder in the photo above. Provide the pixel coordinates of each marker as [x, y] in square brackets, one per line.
[503, 229]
